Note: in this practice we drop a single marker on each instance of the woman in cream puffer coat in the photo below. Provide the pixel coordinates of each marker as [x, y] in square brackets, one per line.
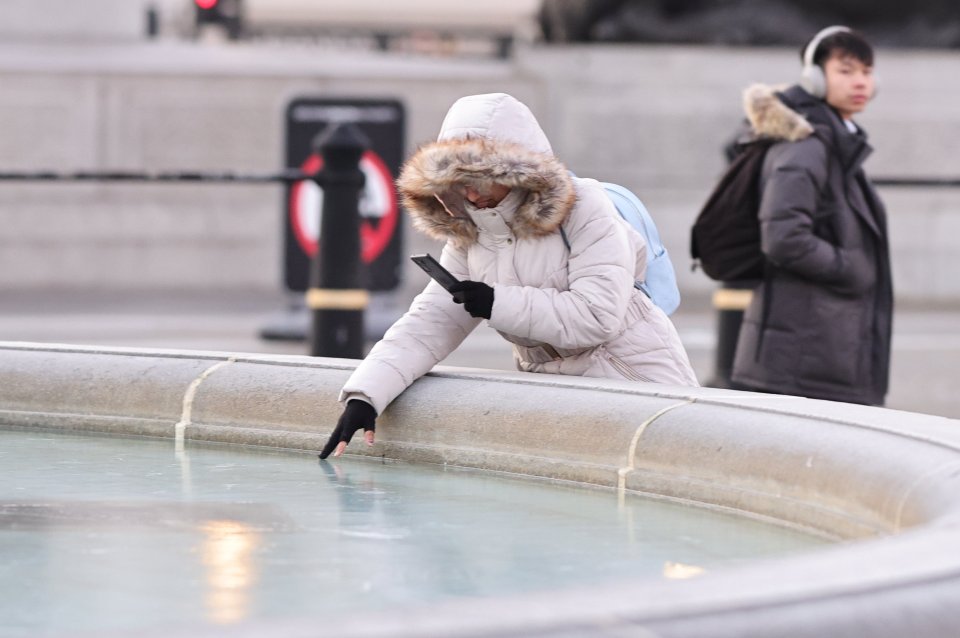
[566, 310]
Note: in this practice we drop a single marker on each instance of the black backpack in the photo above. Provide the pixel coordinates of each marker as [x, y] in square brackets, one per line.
[725, 238]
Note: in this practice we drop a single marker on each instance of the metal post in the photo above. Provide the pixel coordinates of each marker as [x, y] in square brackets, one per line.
[337, 296]
[730, 301]
[153, 22]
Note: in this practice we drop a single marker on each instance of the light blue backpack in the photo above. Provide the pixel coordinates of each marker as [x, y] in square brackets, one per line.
[661, 281]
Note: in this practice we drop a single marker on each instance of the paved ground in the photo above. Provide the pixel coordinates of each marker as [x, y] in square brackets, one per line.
[924, 374]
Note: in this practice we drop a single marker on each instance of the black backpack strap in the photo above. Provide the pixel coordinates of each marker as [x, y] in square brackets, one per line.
[566, 242]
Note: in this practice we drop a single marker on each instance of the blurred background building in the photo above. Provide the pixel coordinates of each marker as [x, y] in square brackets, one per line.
[889, 23]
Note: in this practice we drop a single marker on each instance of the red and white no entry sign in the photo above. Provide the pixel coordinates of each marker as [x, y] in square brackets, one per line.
[378, 207]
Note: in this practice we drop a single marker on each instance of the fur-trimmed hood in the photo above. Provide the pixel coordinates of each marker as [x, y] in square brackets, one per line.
[792, 114]
[486, 139]
[770, 117]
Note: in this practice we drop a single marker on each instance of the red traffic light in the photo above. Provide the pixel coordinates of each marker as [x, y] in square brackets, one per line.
[206, 4]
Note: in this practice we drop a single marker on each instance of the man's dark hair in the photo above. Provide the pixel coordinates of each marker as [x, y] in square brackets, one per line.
[843, 43]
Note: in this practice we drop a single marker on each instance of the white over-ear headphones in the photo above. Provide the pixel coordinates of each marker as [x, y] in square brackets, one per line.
[812, 78]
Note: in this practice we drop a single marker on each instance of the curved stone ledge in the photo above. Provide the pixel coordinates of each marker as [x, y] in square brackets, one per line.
[888, 480]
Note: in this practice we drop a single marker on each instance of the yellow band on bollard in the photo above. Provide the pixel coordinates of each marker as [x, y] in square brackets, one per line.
[332, 299]
[732, 299]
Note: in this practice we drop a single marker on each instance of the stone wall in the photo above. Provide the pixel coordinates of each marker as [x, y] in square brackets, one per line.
[652, 118]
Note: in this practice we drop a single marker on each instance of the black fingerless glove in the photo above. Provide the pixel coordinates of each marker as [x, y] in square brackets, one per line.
[356, 416]
[476, 297]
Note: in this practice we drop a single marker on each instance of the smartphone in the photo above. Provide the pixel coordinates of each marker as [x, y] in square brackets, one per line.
[433, 268]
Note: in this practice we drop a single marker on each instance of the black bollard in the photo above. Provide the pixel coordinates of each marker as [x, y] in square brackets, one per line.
[153, 22]
[730, 301]
[337, 296]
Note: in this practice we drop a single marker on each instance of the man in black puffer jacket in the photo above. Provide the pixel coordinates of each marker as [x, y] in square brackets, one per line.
[819, 324]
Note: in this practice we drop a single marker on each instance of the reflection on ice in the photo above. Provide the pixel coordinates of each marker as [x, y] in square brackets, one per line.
[679, 570]
[379, 536]
[228, 552]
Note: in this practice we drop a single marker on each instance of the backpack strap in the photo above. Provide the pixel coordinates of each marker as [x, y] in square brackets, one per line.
[639, 285]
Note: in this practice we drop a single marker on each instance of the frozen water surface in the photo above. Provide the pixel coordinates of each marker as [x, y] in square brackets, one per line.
[101, 533]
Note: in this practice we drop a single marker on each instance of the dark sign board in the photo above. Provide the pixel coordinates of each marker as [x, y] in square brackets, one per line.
[383, 123]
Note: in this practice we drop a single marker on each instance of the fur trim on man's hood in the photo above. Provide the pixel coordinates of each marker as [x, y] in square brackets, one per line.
[770, 117]
[486, 139]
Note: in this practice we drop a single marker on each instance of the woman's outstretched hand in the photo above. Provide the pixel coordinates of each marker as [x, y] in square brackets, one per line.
[358, 414]
[476, 297]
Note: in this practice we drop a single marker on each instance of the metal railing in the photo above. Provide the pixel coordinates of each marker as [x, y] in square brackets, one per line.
[285, 176]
